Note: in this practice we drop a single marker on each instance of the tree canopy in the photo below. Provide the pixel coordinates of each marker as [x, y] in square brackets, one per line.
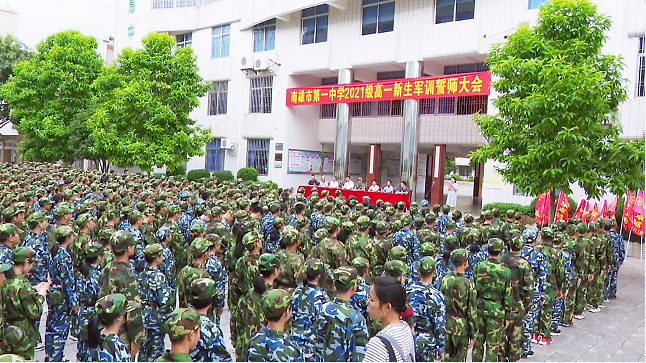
[12, 51]
[143, 105]
[557, 103]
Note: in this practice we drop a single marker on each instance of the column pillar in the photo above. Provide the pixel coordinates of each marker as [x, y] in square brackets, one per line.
[477, 179]
[410, 134]
[343, 128]
[374, 165]
[437, 176]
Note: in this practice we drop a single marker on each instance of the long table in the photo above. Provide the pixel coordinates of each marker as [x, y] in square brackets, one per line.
[359, 194]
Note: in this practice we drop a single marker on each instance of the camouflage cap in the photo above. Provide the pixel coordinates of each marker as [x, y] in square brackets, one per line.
[518, 241]
[173, 209]
[360, 262]
[426, 265]
[345, 277]
[197, 227]
[488, 214]
[5, 267]
[559, 238]
[594, 226]
[451, 242]
[203, 289]
[331, 223]
[459, 256]
[397, 253]
[121, 240]
[22, 255]
[530, 235]
[10, 212]
[570, 229]
[199, 246]
[290, 235]
[162, 233]
[581, 228]
[92, 250]
[83, 219]
[363, 222]
[7, 229]
[406, 219]
[427, 249]
[315, 265]
[302, 222]
[347, 225]
[44, 201]
[62, 210]
[250, 240]
[182, 322]
[510, 213]
[450, 224]
[396, 267]
[278, 222]
[153, 250]
[430, 217]
[320, 234]
[114, 305]
[268, 262]
[495, 245]
[213, 238]
[547, 232]
[275, 303]
[37, 217]
[381, 227]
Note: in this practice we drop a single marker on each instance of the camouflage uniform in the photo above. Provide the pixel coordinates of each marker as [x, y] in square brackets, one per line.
[191, 272]
[584, 265]
[22, 308]
[158, 301]
[291, 263]
[218, 273]
[211, 346]
[38, 243]
[461, 315]
[406, 238]
[492, 282]
[539, 273]
[571, 277]
[246, 270]
[88, 289]
[270, 345]
[180, 323]
[111, 348]
[430, 315]
[308, 301]
[619, 251]
[382, 246]
[555, 282]
[168, 265]
[340, 331]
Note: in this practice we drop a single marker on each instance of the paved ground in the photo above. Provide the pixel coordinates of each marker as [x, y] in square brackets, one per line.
[615, 334]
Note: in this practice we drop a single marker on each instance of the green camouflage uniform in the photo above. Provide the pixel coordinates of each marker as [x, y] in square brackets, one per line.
[22, 308]
[180, 323]
[555, 282]
[582, 261]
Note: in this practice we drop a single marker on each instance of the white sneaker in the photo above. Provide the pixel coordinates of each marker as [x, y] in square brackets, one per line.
[602, 305]
[74, 339]
[594, 310]
[580, 316]
[40, 346]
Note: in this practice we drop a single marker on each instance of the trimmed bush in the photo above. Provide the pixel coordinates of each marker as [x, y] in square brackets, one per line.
[456, 176]
[223, 175]
[248, 174]
[506, 206]
[197, 174]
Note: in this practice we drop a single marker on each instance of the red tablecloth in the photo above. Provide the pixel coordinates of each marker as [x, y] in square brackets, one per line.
[359, 194]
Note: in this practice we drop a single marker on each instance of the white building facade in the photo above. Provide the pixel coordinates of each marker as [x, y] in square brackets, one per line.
[254, 50]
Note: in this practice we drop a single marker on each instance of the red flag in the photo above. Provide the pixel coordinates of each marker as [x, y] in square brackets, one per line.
[604, 210]
[562, 208]
[637, 214]
[595, 214]
[546, 208]
[612, 210]
[580, 210]
[628, 206]
[539, 210]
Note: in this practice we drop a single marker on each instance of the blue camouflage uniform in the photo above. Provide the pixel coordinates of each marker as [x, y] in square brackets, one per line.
[61, 297]
[158, 301]
[474, 258]
[293, 221]
[167, 266]
[267, 224]
[270, 345]
[210, 347]
[430, 320]
[440, 223]
[540, 270]
[359, 300]
[139, 246]
[38, 243]
[441, 271]
[111, 349]
[306, 307]
[315, 218]
[341, 333]
[88, 288]
[124, 225]
[619, 250]
[5, 254]
[407, 239]
[184, 224]
[218, 273]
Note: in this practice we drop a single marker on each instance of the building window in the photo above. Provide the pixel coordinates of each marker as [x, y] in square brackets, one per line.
[258, 155]
[390, 108]
[260, 95]
[468, 105]
[427, 106]
[218, 98]
[378, 16]
[328, 110]
[184, 39]
[641, 70]
[519, 192]
[447, 11]
[364, 109]
[534, 4]
[214, 156]
[220, 41]
[264, 36]
[465, 68]
[314, 24]
[446, 106]
[163, 4]
[185, 3]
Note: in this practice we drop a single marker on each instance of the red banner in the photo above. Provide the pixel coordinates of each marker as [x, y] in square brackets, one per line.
[542, 210]
[627, 222]
[595, 214]
[579, 213]
[562, 208]
[612, 210]
[359, 194]
[604, 210]
[463, 84]
[638, 215]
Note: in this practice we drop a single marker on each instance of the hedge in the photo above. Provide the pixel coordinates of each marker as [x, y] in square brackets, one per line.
[248, 174]
[198, 174]
[223, 175]
[506, 206]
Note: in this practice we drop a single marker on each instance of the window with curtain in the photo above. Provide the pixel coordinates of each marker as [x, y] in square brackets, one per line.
[218, 98]
[184, 39]
[214, 156]
[264, 36]
[258, 155]
[641, 70]
[378, 16]
[447, 11]
[260, 95]
[314, 24]
[220, 41]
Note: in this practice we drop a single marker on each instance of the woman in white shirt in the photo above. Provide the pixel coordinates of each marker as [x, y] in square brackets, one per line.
[334, 183]
[387, 302]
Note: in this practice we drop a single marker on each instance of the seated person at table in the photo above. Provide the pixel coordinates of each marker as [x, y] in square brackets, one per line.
[313, 181]
[323, 183]
[334, 183]
[360, 185]
[374, 187]
[389, 187]
[403, 189]
[349, 184]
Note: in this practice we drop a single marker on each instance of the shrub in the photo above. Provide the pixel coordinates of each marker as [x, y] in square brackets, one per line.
[197, 174]
[223, 175]
[506, 206]
[177, 172]
[248, 174]
[158, 175]
[470, 178]
[456, 176]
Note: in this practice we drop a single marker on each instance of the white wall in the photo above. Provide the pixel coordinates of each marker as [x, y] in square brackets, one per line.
[8, 22]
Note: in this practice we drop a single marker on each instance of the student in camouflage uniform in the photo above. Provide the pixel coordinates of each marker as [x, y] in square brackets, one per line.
[105, 344]
[272, 343]
[604, 257]
[559, 302]
[37, 241]
[492, 282]
[88, 289]
[407, 239]
[461, 314]
[218, 273]
[308, 300]
[382, 246]
[569, 298]
[430, 313]
[199, 251]
[183, 329]
[22, 304]
[157, 300]
[164, 236]
[619, 252]
[583, 258]
[522, 292]
[62, 297]
[9, 238]
[291, 261]
[358, 245]
[211, 346]
[359, 300]
[340, 331]
[555, 285]
[118, 278]
[539, 273]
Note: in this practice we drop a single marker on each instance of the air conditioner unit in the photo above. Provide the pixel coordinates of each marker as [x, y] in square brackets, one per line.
[247, 62]
[261, 64]
[227, 144]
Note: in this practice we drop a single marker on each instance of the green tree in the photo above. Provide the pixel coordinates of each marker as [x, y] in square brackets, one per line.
[47, 91]
[449, 165]
[12, 51]
[558, 98]
[144, 101]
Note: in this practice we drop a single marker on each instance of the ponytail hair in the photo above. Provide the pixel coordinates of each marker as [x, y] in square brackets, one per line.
[93, 332]
[390, 291]
[259, 282]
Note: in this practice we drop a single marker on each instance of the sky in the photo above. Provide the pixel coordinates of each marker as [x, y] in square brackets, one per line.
[38, 19]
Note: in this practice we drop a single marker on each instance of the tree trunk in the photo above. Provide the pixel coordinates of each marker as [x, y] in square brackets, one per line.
[553, 201]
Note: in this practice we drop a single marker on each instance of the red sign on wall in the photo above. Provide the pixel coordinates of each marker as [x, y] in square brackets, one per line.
[463, 84]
